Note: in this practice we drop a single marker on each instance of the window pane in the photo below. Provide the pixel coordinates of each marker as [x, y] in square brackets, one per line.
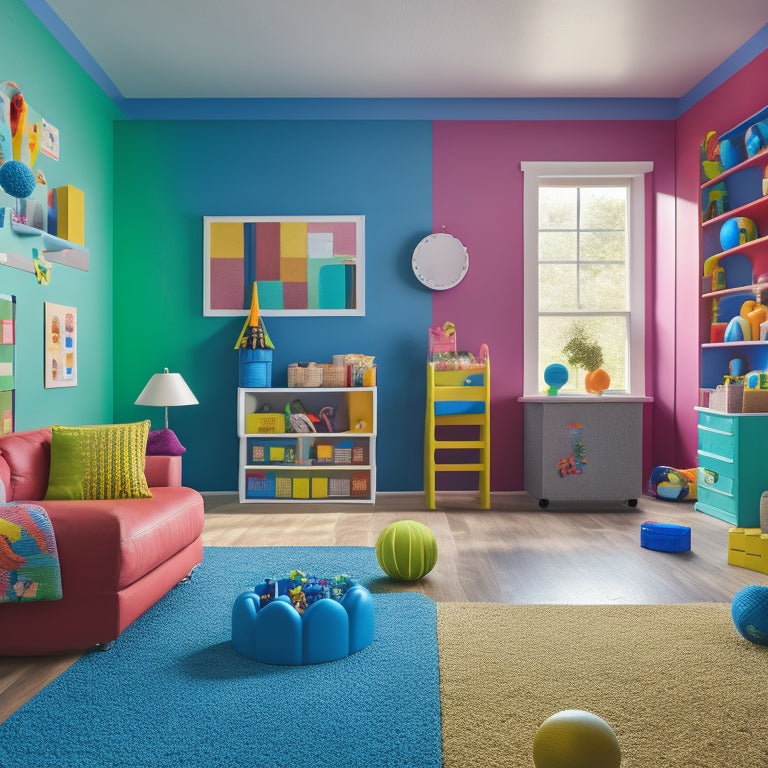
[557, 287]
[609, 332]
[557, 245]
[557, 208]
[603, 246]
[603, 208]
[603, 286]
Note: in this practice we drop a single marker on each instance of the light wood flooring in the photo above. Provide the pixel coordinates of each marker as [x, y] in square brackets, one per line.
[512, 553]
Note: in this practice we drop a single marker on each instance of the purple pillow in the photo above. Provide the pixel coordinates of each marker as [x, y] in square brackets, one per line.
[163, 442]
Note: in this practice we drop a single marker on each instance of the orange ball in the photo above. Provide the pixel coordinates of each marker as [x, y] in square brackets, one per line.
[596, 381]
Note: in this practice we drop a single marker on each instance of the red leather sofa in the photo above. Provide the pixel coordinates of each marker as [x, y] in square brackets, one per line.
[117, 557]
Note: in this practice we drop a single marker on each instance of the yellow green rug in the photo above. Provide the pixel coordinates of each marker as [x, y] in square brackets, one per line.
[677, 683]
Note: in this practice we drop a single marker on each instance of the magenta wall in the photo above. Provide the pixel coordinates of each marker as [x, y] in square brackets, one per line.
[478, 197]
[736, 99]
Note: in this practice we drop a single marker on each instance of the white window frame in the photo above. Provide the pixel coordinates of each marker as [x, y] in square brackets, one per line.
[585, 173]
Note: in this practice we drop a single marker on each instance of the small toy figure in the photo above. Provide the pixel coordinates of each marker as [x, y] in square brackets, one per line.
[298, 598]
[269, 594]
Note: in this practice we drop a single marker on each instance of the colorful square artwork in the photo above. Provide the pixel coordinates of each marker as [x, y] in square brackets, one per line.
[301, 265]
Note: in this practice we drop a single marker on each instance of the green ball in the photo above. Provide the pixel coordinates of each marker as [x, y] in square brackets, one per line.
[406, 550]
[575, 738]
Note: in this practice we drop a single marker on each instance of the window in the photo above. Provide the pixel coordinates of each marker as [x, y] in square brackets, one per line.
[584, 270]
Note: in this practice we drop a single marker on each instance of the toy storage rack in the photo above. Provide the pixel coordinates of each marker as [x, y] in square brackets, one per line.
[280, 466]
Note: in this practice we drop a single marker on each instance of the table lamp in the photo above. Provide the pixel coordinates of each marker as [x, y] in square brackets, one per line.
[164, 390]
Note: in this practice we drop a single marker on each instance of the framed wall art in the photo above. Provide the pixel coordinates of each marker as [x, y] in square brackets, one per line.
[60, 346]
[7, 362]
[303, 265]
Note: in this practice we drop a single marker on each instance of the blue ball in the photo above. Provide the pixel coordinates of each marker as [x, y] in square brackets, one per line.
[555, 375]
[749, 610]
[17, 179]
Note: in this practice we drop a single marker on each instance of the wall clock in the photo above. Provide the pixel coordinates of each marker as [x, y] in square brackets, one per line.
[440, 261]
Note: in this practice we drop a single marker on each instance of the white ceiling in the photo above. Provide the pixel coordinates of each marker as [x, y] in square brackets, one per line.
[410, 48]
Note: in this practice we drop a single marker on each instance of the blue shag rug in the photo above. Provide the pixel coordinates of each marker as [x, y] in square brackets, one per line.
[173, 692]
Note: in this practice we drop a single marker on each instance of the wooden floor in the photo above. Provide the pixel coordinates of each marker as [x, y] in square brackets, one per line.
[512, 553]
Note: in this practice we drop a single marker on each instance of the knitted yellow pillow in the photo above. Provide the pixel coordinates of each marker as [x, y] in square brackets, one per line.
[98, 462]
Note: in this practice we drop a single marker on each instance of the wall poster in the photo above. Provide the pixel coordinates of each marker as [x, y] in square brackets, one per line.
[303, 265]
[7, 363]
[60, 346]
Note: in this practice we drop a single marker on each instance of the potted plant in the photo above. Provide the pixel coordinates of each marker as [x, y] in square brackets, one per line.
[582, 351]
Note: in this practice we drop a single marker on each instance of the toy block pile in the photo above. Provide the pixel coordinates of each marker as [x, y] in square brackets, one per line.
[748, 548]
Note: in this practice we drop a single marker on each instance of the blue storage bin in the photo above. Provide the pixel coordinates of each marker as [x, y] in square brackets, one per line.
[665, 537]
[255, 368]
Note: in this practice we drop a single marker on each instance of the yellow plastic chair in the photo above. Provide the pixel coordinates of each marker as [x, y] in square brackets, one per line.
[460, 399]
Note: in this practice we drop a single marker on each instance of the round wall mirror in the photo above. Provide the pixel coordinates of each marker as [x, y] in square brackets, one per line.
[440, 261]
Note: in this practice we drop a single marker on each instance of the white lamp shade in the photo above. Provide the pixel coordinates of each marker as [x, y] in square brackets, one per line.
[165, 389]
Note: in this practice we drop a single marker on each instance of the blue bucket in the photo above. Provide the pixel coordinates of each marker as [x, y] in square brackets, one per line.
[255, 367]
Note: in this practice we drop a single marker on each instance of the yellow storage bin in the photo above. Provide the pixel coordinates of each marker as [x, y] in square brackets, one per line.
[319, 487]
[264, 423]
[300, 487]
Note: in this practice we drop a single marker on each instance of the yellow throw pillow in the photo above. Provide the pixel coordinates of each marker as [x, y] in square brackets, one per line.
[98, 462]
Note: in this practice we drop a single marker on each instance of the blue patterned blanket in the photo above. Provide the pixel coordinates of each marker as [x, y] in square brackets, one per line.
[29, 561]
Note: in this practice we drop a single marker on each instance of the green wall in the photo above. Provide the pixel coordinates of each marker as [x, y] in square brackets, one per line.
[56, 87]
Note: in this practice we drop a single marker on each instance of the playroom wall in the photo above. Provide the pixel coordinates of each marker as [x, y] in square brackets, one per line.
[478, 197]
[390, 172]
[171, 174]
[56, 87]
[742, 95]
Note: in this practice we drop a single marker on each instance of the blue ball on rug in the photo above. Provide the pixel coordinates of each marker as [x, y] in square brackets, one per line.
[749, 610]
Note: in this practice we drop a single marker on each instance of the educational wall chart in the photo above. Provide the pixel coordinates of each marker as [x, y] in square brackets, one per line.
[302, 265]
[60, 345]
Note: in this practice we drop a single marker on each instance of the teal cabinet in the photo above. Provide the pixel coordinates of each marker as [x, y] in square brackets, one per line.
[731, 474]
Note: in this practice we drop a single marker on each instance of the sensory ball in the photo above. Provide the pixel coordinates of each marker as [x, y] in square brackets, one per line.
[575, 738]
[17, 179]
[406, 550]
[555, 375]
[749, 610]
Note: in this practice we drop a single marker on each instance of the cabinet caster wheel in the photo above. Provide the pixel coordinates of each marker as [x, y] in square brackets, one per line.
[543, 503]
[632, 502]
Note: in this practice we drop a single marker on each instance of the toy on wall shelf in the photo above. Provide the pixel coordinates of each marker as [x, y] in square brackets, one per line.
[737, 231]
[711, 166]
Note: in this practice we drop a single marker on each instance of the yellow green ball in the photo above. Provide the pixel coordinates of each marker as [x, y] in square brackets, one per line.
[575, 738]
[406, 550]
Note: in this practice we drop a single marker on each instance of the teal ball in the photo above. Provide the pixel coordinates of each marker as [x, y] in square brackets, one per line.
[555, 375]
[575, 738]
[749, 610]
[17, 179]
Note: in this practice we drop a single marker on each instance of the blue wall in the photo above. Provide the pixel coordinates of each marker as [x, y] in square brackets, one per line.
[168, 175]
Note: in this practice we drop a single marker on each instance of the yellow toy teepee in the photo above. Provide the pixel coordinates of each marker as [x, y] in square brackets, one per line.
[254, 333]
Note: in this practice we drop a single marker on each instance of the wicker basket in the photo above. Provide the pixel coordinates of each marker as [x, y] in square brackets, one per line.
[334, 375]
[305, 376]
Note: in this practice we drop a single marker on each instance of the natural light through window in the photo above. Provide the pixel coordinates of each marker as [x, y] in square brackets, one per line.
[584, 273]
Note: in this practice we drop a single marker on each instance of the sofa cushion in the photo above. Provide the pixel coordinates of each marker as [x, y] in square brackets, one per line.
[28, 455]
[98, 462]
[107, 544]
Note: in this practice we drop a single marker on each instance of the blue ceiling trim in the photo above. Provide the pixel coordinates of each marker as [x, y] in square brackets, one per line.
[740, 58]
[61, 32]
[398, 109]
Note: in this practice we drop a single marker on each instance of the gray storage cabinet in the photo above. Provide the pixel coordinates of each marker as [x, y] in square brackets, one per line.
[583, 448]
